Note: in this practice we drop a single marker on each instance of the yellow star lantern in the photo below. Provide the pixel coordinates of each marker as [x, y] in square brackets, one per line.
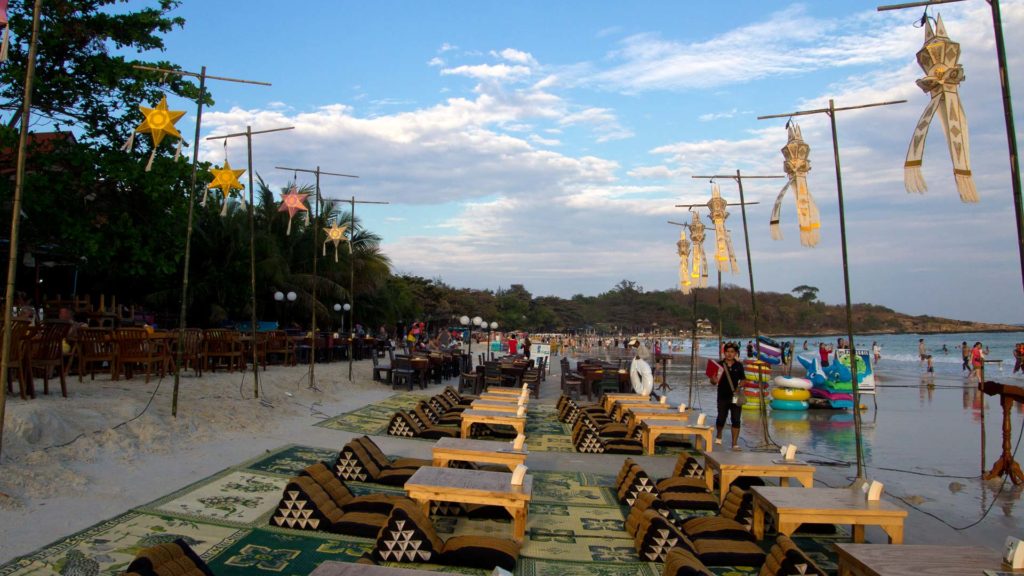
[227, 180]
[336, 235]
[292, 202]
[158, 122]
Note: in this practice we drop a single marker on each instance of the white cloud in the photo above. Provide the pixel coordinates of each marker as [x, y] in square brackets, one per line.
[513, 55]
[435, 62]
[717, 115]
[446, 47]
[544, 141]
[488, 71]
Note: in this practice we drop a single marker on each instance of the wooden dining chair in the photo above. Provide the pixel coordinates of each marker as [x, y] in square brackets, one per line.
[45, 353]
[134, 349]
[95, 348]
[16, 362]
[222, 347]
[186, 350]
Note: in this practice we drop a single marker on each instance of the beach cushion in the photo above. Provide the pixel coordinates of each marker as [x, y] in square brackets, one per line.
[713, 552]
[401, 424]
[785, 559]
[382, 460]
[656, 535]
[636, 482]
[354, 462]
[687, 465]
[682, 562]
[484, 552]
[643, 502]
[340, 494]
[305, 505]
[690, 500]
[681, 484]
[175, 558]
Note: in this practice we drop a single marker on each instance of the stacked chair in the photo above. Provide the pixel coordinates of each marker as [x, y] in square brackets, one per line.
[409, 536]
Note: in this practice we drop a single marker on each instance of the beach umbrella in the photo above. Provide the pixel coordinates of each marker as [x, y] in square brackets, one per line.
[939, 58]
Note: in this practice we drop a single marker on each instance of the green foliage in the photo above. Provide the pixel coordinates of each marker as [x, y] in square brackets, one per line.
[807, 293]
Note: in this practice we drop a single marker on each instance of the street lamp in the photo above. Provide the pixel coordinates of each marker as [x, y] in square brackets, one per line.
[477, 321]
[281, 297]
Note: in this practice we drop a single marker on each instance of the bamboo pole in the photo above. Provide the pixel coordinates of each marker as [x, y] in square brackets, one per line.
[252, 243]
[19, 186]
[183, 315]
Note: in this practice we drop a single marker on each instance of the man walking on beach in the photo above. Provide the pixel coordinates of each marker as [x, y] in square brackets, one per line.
[728, 394]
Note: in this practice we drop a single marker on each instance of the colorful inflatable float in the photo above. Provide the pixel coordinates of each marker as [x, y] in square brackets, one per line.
[791, 394]
[832, 385]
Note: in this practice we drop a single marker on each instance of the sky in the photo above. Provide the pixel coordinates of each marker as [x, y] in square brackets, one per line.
[547, 143]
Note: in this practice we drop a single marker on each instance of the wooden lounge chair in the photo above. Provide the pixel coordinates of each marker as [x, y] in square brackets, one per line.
[403, 424]
[362, 460]
[588, 441]
[656, 536]
[409, 536]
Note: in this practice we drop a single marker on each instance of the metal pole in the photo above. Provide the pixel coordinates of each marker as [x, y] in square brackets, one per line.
[351, 286]
[183, 316]
[719, 311]
[693, 348]
[19, 185]
[766, 438]
[846, 286]
[312, 327]
[252, 268]
[1011, 133]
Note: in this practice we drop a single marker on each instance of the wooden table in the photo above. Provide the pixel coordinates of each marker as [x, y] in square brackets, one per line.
[655, 428]
[916, 560]
[505, 399]
[792, 507]
[473, 487]
[732, 465]
[334, 568]
[658, 412]
[471, 416]
[467, 450]
[611, 398]
[622, 406]
[506, 390]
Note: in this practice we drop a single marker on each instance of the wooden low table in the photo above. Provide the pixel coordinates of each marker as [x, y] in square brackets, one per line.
[468, 450]
[792, 507]
[506, 390]
[473, 487]
[658, 412]
[655, 428]
[471, 416]
[732, 465]
[612, 397]
[622, 406]
[916, 560]
[334, 568]
[502, 398]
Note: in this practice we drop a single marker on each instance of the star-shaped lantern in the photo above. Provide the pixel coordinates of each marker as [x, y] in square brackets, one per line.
[157, 122]
[292, 202]
[336, 235]
[227, 180]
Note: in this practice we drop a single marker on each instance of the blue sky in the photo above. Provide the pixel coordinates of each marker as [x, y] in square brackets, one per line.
[545, 143]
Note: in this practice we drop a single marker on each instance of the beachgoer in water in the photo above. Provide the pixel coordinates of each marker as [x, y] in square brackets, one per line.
[1018, 357]
[805, 346]
[977, 362]
[728, 390]
[823, 354]
[750, 349]
[922, 350]
[966, 353]
[876, 351]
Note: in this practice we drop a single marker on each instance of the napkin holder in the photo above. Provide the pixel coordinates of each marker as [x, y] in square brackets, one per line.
[873, 490]
[701, 419]
[682, 408]
[663, 400]
[788, 452]
[517, 444]
[1013, 553]
[518, 475]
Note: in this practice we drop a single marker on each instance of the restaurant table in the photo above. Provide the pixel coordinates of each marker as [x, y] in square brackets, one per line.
[610, 399]
[621, 406]
[732, 465]
[792, 507]
[506, 399]
[645, 413]
[917, 560]
[489, 451]
[494, 406]
[335, 568]
[473, 487]
[471, 416]
[506, 390]
[654, 428]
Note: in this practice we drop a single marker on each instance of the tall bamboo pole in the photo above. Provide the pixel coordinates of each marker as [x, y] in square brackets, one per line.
[19, 186]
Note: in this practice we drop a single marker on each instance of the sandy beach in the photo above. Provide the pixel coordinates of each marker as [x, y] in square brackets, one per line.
[70, 463]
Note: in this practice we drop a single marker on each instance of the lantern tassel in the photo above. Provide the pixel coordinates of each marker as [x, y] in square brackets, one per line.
[129, 143]
[152, 155]
[289, 232]
[177, 151]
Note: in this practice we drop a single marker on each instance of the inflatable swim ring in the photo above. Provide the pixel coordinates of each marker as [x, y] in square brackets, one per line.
[790, 394]
[641, 377]
[797, 383]
[788, 405]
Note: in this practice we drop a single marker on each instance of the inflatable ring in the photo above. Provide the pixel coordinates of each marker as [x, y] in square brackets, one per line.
[641, 377]
[797, 383]
[789, 405]
[753, 393]
[790, 394]
[752, 405]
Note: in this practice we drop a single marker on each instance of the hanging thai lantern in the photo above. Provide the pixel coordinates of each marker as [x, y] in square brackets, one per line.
[335, 235]
[796, 164]
[158, 122]
[226, 180]
[725, 260]
[7, 30]
[683, 249]
[939, 58]
[699, 263]
[292, 202]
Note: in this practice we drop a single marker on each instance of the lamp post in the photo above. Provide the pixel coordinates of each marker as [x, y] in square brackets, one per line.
[493, 326]
[465, 321]
[281, 297]
[351, 343]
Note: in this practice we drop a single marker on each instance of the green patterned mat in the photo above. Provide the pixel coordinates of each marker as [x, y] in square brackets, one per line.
[545, 432]
[575, 527]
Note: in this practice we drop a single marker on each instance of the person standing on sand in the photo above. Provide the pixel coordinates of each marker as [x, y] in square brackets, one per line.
[876, 351]
[966, 353]
[728, 388]
[922, 350]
